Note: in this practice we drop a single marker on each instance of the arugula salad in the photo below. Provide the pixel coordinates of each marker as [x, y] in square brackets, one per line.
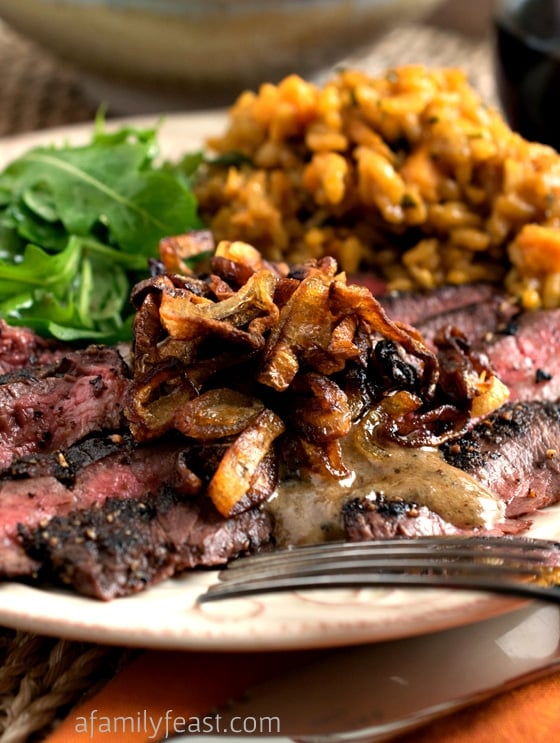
[78, 225]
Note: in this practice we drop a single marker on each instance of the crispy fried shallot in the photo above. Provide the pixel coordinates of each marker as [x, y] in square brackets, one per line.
[265, 368]
[216, 414]
[177, 251]
[231, 486]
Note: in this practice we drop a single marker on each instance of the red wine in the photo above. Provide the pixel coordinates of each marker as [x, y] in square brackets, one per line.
[527, 64]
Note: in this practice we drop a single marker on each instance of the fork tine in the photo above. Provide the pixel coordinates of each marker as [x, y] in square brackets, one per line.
[464, 548]
[381, 580]
[504, 564]
[406, 564]
[530, 548]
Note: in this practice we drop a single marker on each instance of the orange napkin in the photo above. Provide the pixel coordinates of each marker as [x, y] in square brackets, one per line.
[161, 688]
[527, 714]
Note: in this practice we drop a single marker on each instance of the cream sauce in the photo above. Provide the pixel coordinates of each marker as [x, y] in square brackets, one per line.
[309, 510]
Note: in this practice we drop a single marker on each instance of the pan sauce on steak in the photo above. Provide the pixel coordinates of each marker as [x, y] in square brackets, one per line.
[351, 440]
[314, 510]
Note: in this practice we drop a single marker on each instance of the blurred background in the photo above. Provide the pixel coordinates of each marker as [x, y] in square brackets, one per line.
[59, 73]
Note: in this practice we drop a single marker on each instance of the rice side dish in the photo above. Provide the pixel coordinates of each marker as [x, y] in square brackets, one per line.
[409, 175]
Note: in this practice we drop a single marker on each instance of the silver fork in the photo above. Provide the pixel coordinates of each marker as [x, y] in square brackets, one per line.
[506, 564]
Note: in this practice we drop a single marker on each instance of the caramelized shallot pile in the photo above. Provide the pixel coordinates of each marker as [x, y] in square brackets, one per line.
[264, 369]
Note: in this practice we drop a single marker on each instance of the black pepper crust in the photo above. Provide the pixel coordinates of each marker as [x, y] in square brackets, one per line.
[66, 465]
[381, 505]
[484, 442]
[125, 544]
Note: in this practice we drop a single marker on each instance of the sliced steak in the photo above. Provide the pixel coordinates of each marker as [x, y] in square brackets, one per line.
[516, 454]
[480, 311]
[526, 358]
[20, 347]
[365, 519]
[124, 545]
[417, 308]
[31, 502]
[480, 323]
[522, 347]
[66, 465]
[51, 407]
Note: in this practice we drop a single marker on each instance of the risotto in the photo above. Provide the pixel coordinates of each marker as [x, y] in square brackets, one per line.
[409, 175]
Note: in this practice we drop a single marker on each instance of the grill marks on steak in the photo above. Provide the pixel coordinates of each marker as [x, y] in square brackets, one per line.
[110, 517]
[65, 466]
[122, 546]
[516, 454]
[51, 407]
[30, 502]
[365, 519]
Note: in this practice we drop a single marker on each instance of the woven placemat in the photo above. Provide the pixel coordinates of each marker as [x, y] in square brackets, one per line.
[41, 678]
[434, 47]
[36, 90]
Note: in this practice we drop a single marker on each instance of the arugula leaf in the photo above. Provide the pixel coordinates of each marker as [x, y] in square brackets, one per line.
[38, 268]
[77, 227]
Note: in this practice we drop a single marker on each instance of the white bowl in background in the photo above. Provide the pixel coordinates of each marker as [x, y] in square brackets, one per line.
[144, 55]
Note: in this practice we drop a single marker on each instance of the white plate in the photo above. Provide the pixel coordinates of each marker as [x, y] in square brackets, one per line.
[179, 133]
[167, 615]
[372, 692]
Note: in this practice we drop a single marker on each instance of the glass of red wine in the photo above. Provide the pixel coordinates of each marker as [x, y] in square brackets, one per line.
[527, 66]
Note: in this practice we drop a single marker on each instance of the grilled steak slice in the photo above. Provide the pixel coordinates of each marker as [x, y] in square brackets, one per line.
[526, 358]
[20, 347]
[51, 407]
[124, 545]
[365, 519]
[479, 311]
[516, 454]
[131, 472]
[416, 308]
[66, 465]
[521, 347]
[480, 323]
